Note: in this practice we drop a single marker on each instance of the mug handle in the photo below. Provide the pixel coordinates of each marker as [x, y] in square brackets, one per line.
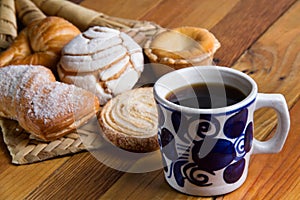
[278, 103]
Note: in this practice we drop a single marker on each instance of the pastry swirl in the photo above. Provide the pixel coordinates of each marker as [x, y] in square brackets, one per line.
[130, 120]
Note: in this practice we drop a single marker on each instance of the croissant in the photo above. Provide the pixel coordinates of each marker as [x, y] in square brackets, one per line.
[43, 107]
[40, 43]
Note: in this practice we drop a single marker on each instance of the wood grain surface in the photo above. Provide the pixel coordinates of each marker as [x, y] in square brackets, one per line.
[273, 61]
[258, 37]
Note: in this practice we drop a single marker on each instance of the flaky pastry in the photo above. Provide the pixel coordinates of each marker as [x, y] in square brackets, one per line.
[129, 120]
[43, 107]
[182, 47]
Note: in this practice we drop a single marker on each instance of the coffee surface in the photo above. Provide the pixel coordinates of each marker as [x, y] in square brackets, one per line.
[201, 95]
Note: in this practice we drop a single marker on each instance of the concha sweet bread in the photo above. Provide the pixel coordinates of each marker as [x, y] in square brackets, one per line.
[129, 120]
[102, 60]
[182, 47]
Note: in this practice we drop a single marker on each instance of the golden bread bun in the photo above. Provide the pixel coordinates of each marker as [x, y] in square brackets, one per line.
[182, 47]
[40, 43]
[129, 120]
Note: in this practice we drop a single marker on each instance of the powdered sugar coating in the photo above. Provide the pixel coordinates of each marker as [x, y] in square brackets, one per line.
[56, 100]
[42, 106]
[14, 78]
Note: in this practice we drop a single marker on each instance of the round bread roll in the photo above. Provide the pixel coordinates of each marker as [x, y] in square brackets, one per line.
[182, 47]
[102, 60]
[130, 121]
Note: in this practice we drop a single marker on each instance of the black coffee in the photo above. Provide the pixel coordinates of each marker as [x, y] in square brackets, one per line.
[212, 95]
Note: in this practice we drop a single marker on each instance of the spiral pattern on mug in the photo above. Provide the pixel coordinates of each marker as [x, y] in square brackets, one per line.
[239, 146]
[203, 126]
[196, 176]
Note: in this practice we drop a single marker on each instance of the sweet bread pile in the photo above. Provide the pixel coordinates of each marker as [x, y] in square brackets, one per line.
[54, 76]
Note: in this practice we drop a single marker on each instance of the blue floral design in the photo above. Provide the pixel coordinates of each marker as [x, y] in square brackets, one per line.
[194, 165]
[235, 125]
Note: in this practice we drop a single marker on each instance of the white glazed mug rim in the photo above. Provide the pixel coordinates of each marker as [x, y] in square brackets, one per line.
[242, 77]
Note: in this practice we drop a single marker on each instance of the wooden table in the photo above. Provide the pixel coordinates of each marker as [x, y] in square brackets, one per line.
[258, 37]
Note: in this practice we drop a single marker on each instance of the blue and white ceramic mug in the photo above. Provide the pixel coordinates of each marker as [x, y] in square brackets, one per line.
[206, 152]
